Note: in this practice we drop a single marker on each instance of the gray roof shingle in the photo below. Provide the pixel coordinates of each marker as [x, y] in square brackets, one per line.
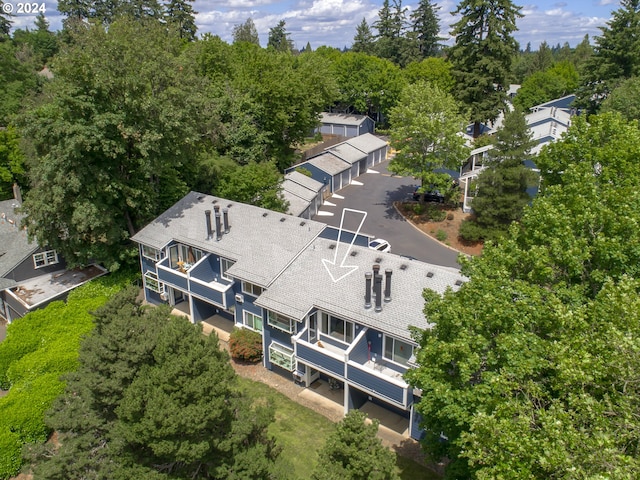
[367, 143]
[347, 153]
[14, 244]
[342, 118]
[305, 181]
[306, 284]
[329, 163]
[261, 242]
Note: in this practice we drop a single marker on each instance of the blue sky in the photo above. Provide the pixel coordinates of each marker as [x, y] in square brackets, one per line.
[333, 22]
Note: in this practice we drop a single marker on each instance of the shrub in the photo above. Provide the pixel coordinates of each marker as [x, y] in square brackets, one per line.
[449, 216]
[245, 344]
[441, 235]
[471, 231]
[436, 214]
[418, 209]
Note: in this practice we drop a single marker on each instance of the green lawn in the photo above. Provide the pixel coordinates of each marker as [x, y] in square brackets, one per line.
[302, 432]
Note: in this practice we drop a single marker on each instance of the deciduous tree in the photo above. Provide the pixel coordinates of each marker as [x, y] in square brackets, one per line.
[109, 138]
[12, 169]
[559, 80]
[255, 184]
[425, 131]
[482, 54]
[530, 370]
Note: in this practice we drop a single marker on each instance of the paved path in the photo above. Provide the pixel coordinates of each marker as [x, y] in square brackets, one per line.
[374, 192]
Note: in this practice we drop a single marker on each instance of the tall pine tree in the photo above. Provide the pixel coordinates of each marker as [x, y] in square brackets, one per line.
[180, 15]
[364, 41]
[502, 187]
[426, 29]
[482, 55]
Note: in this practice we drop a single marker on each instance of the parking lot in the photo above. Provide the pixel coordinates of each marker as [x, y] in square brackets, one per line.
[375, 193]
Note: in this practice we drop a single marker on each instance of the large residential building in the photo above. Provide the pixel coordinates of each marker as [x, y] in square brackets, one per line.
[329, 309]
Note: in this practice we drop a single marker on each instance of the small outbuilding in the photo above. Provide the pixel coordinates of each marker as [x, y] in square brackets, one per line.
[346, 125]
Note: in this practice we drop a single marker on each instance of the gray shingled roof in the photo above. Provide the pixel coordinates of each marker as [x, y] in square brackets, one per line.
[14, 245]
[367, 143]
[258, 241]
[347, 153]
[342, 118]
[306, 284]
[329, 163]
[304, 180]
[298, 190]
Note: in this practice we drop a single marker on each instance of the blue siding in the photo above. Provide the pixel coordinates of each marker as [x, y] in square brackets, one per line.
[333, 342]
[207, 292]
[173, 279]
[318, 174]
[279, 336]
[375, 384]
[323, 362]
[202, 310]
[360, 352]
[415, 431]
[249, 307]
[376, 343]
[208, 270]
[147, 265]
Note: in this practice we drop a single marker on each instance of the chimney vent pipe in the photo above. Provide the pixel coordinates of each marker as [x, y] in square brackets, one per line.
[218, 226]
[378, 287]
[387, 285]
[207, 215]
[367, 290]
[225, 219]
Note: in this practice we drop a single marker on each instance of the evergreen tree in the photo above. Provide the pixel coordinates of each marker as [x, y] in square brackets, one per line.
[482, 56]
[616, 55]
[364, 40]
[426, 29]
[246, 32]
[154, 396]
[353, 452]
[502, 188]
[180, 15]
[279, 38]
[5, 23]
[390, 41]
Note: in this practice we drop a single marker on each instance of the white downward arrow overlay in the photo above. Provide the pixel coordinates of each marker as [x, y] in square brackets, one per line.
[338, 272]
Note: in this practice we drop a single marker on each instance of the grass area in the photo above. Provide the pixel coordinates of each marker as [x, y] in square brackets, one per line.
[301, 433]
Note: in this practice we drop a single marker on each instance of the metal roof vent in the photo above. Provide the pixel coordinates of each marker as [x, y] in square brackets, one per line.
[230, 205]
[332, 246]
[265, 214]
[302, 223]
[379, 260]
[354, 253]
[458, 282]
[282, 219]
[215, 200]
[429, 274]
[404, 266]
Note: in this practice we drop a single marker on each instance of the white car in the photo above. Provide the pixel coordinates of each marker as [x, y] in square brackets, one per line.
[380, 245]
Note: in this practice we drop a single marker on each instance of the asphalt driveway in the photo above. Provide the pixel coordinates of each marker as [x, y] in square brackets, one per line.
[375, 196]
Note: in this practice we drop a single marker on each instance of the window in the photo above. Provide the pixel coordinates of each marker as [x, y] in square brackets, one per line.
[183, 257]
[42, 259]
[281, 356]
[151, 282]
[151, 253]
[253, 321]
[225, 265]
[397, 350]
[251, 289]
[280, 322]
[336, 328]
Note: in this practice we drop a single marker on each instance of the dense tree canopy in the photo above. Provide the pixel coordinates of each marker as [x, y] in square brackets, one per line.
[624, 99]
[154, 398]
[246, 32]
[482, 54]
[555, 82]
[109, 137]
[425, 131]
[531, 369]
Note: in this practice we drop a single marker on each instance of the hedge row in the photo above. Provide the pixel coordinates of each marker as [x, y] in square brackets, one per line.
[38, 349]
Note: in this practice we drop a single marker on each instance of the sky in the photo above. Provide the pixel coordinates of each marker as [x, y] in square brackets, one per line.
[333, 22]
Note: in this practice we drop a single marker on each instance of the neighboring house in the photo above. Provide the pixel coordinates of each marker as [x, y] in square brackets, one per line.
[346, 125]
[31, 276]
[303, 193]
[265, 271]
[339, 164]
[546, 122]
